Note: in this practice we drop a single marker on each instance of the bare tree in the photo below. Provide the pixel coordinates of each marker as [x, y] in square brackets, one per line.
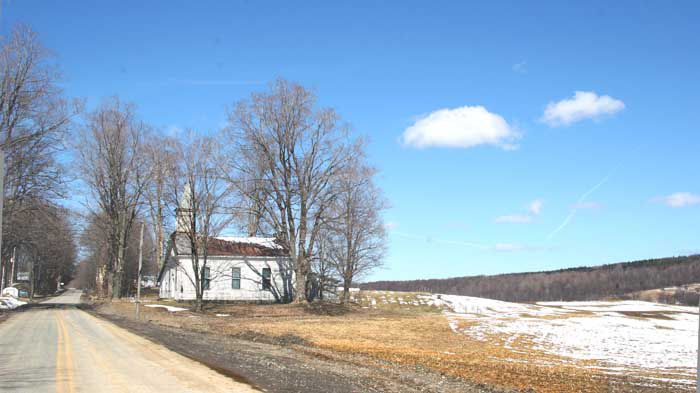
[355, 230]
[110, 159]
[198, 190]
[34, 118]
[160, 159]
[293, 151]
[324, 274]
[94, 241]
[95, 244]
[43, 246]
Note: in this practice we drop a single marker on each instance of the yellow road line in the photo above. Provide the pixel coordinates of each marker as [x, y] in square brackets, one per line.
[100, 360]
[64, 358]
[59, 357]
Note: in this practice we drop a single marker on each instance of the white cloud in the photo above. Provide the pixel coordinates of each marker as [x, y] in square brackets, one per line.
[679, 199]
[535, 207]
[583, 105]
[514, 219]
[463, 127]
[520, 68]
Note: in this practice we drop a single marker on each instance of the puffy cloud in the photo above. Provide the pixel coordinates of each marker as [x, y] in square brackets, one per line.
[520, 68]
[583, 105]
[514, 219]
[679, 199]
[535, 207]
[463, 127]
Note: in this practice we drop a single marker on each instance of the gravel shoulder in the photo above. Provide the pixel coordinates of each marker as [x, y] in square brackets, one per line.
[286, 364]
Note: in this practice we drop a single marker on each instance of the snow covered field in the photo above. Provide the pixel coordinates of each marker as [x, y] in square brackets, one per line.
[657, 341]
[651, 341]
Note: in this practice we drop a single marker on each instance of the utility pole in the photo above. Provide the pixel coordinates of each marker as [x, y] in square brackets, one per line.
[13, 261]
[138, 276]
[697, 382]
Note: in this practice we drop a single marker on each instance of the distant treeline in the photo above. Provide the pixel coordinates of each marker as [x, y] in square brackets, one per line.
[583, 283]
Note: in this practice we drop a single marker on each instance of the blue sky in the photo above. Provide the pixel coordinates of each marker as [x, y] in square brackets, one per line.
[482, 175]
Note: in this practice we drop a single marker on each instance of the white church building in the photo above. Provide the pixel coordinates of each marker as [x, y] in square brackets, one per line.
[238, 269]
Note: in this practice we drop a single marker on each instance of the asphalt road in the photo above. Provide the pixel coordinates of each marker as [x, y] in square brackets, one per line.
[63, 349]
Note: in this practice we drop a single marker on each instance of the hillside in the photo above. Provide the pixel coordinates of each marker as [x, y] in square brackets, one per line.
[583, 283]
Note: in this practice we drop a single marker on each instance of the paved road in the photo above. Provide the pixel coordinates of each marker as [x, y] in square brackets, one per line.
[64, 349]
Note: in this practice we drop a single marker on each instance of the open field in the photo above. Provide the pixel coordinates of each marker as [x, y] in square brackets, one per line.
[552, 347]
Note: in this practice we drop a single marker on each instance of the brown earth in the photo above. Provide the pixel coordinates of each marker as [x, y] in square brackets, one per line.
[279, 363]
[281, 347]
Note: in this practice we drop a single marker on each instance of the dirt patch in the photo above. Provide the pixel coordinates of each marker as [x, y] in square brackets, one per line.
[284, 340]
[645, 315]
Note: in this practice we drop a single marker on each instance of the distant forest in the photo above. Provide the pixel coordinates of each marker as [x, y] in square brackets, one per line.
[582, 283]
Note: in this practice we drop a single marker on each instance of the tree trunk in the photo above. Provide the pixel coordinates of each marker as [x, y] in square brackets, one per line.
[109, 279]
[346, 291]
[117, 280]
[301, 273]
[199, 302]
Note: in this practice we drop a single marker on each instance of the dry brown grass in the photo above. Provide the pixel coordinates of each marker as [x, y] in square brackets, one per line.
[428, 341]
[413, 336]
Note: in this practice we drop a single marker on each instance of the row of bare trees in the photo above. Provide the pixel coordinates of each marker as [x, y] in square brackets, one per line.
[37, 234]
[282, 167]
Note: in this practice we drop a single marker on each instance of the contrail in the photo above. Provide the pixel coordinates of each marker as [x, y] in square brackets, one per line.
[573, 211]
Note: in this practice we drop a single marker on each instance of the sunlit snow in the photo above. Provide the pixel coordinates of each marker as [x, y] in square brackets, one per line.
[619, 336]
[169, 308]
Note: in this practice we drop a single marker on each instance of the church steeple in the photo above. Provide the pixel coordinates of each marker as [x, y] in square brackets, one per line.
[184, 211]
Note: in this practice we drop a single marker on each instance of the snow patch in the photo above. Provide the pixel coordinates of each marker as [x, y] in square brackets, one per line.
[268, 242]
[169, 308]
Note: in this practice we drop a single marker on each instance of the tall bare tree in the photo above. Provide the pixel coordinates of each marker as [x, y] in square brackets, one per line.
[43, 246]
[95, 245]
[111, 161]
[355, 230]
[293, 151]
[200, 194]
[160, 159]
[34, 118]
